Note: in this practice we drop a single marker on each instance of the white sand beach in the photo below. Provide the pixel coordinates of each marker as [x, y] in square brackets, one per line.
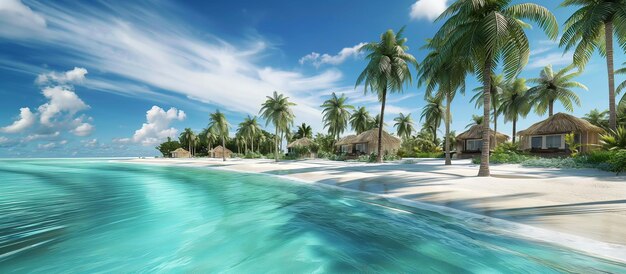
[583, 202]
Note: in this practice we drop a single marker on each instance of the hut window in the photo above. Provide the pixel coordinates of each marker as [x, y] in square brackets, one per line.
[536, 142]
[553, 141]
[344, 148]
[474, 145]
[360, 147]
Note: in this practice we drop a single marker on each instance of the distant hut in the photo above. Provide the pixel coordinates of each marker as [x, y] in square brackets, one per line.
[180, 153]
[471, 141]
[548, 136]
[305, 143]
[220, 152]
[344, 145]
[367, 143]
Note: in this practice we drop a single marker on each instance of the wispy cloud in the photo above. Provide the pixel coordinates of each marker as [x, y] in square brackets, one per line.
[555, 59]
[126, 42]
[318, 59]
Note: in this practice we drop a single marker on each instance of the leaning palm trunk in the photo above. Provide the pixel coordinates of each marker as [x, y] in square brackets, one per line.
[223, 149]
[514, 126]
[608, 36]
[379, 156]
[484, 155]
[447, 148]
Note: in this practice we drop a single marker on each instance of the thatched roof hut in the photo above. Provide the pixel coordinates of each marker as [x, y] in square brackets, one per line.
[302, 142]
[180, 153]
[471, 140]
[549, 134]
[220, 152]
[367, 143]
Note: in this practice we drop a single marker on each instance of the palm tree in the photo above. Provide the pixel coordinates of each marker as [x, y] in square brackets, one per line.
[514, 103]
[336, 114]
[249, 129]
[552, 87]
[375, 122]
[186, 137]
[449, 77]
[476, 120]
[220, 126]
[488, 31]
[621, 86]
[210, 137]
[432, 114]
[277, 110]
[387, 71]
[360, 120]
[498, 84]
[598, 118]
[304, 131]
[592, 27]
[404, 125]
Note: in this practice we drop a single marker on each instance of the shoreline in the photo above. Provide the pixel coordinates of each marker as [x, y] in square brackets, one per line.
[543, 230]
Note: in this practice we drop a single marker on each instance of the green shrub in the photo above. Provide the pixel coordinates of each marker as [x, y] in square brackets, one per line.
[614, 139]
[595, 157]
[324, 154]
[617, 162]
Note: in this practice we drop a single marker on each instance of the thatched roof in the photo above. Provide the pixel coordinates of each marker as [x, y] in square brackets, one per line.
[302, 142]
[561, 123]
[180, 150]
[371, 136]
[476, 132]
[346, 140]
[219, 148]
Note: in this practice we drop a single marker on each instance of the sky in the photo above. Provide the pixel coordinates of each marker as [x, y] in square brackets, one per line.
[115, 78]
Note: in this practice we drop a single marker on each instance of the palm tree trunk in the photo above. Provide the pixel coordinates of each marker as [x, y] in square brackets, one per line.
[447, 136]
[483, 171]
[550, 108]
[495, 126]
[514, 126]
[608, 36]
[276, 145]
[223, 148]
[379, 156]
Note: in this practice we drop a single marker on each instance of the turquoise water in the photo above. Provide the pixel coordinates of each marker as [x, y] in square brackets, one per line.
[89, 216]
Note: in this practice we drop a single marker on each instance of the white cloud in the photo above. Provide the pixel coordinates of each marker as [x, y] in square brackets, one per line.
[3, 140]
[157, 127]
[90, 143]
[554, 59]
[76, 75]
[319, 59]
[61, 99]
[428, 9]
[18, 20]
[83, 129]
[36, 136]
[26, 120]
[50, 145]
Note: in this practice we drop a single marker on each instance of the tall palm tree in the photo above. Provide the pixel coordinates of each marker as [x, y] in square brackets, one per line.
[498, 84]
[488, 31]
[220, 126]
[592, 27]
[552, 87]
[404, 125]
[598, 118]
[249, 129]
[360, 120]
[210, 137]
[447, 73]
[304, 131]
[432, 114]
[375, 122]
[514, 103]
[277, 110]
[186, 137]
[336, 114]
[387, 71]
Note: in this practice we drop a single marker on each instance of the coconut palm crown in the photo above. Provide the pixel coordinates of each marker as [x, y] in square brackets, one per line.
[277, 110]
[360, 120]
[220, 126]
[404, 125]
[336, 114]
[552, 87]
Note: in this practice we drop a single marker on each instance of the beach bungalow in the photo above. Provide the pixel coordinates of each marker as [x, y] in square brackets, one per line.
[180, 153]
[548, 136]
[220, 152]
[367, 143]
[302, 143]
[470, 142]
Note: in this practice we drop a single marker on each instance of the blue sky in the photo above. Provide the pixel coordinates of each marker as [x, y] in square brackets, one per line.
[113, 78]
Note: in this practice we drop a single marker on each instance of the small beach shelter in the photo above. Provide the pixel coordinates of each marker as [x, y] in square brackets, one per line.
[367, 143]
[180, 153]
[220, 152]
[301, 143]
[344, 145]
[548, 136]
[471, 140]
